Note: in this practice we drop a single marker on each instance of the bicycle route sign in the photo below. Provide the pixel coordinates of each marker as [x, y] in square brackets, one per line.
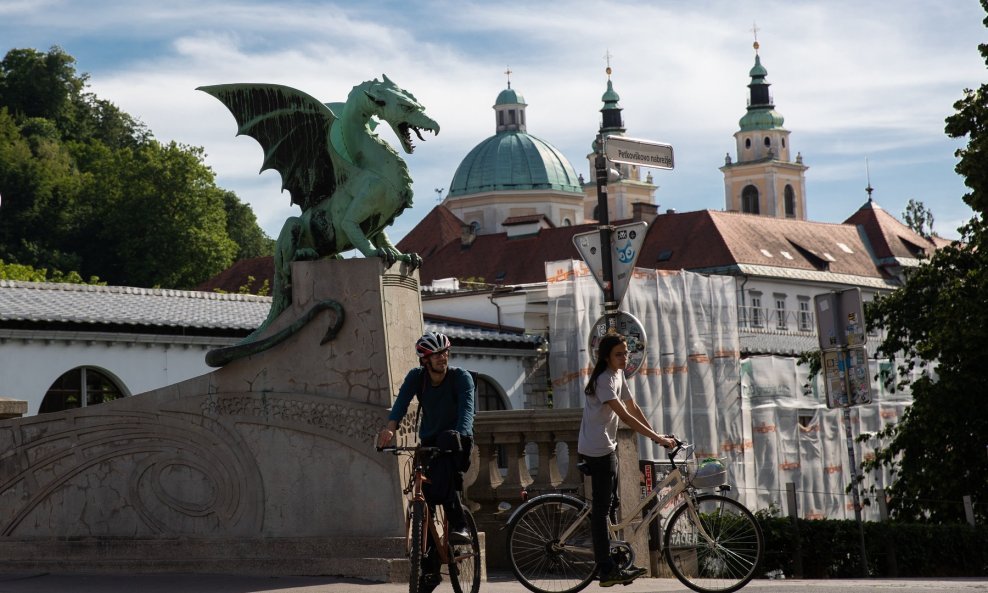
[626, 244]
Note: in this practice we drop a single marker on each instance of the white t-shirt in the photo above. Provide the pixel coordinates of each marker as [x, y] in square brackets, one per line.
[598, 430]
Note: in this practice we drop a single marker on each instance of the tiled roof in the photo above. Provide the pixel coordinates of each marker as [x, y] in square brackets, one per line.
[857, 252]
[439, 227]
[36, 302]
[239, 274]
[498, 259]
[706, 240]
[709, 239]
[127, 306]
[466, 330]
[891, 240]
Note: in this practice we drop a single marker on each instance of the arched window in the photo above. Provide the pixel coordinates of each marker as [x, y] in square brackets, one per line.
[488, 396]
[747, 142]
[768, 141]
[749, 199]
[790, 202]
[567, 222]
[78, 388]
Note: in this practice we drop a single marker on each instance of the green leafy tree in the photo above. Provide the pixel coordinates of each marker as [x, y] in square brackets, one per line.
[24, 273]
[918, 218]
[241, 226]
[86, 187]
[157, 219]
[938, 323]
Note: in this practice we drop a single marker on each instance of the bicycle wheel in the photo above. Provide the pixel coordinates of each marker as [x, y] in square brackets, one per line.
[716, 550]
[538, 558]
[416, 543]
[464, 561]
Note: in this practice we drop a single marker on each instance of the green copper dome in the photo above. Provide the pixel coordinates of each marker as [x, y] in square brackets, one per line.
[510, 96]
[513, 161]
[761, 119]
[758, 71]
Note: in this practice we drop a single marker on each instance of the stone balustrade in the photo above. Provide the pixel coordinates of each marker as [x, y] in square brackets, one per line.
[12, 408]
[519, 452]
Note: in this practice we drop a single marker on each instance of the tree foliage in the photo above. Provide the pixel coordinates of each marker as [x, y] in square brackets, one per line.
[918, 218]
[86, 187]
[24, 273]
[938, 323]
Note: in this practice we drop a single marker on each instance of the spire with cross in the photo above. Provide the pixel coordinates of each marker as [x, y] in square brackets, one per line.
[508, 73]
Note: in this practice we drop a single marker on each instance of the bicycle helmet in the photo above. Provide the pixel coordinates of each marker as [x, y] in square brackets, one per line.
[430, 343]
[709, 474]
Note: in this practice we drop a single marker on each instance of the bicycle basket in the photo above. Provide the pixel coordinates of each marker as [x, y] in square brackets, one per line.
[709, 474]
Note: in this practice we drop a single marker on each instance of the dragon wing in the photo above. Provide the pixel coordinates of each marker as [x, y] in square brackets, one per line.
[293, 130]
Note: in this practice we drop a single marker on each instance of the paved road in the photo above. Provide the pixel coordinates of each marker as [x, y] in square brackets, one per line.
[187, 583]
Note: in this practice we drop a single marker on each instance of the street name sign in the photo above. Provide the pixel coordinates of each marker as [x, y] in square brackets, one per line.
[644, 153]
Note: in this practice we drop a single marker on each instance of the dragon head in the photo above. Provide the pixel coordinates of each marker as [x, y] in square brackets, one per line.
[399, 108]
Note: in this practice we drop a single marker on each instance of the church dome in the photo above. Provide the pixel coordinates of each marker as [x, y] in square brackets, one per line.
[514, 160]
[510, 96]
[762, 119]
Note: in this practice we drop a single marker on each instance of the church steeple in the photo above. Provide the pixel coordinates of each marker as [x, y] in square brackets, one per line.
[627, 193]
[611, 112]
[509, 109]
[764, 180]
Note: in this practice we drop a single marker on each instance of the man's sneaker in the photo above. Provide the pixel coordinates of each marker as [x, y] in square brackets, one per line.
[460, 537]
[621, 576]
[429, 581]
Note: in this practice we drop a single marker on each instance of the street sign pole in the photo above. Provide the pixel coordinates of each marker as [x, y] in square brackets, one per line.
[603, 218]
[840, 330]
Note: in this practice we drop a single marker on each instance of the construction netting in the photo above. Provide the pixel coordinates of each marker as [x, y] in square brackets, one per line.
[761, 415]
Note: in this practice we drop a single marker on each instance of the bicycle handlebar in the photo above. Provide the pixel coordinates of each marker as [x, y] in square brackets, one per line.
[415, 449]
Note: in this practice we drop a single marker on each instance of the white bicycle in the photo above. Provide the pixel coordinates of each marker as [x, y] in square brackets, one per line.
[712, 543]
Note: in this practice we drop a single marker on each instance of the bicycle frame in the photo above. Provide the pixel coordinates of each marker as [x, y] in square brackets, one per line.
[674, 480]
[413, 491]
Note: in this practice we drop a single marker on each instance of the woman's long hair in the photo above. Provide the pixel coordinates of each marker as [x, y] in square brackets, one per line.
[608, 343]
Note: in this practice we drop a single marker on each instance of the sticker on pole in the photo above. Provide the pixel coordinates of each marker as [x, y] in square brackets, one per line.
[626, 244]
[633, 331]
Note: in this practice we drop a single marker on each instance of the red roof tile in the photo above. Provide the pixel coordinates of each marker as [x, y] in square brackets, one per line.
[889, 237]
[237, 275]
[439, 227]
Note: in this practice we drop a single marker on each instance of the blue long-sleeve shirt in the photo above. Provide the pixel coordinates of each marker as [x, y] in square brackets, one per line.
[447, 406]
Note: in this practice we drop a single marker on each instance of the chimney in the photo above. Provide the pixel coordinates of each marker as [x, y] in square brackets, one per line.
[644, 211]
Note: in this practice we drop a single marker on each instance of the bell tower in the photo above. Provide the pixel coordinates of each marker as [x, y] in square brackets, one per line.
[764, 179]
[627, 192]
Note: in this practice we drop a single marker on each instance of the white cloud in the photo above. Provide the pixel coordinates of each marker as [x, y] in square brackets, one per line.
[853, 80]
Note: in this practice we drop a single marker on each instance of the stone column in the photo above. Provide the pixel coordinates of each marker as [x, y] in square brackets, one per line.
[629, 492]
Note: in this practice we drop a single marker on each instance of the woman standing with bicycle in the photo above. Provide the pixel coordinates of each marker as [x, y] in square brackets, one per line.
[609, 401]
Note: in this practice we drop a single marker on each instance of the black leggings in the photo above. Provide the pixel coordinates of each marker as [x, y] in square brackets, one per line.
[603, 484]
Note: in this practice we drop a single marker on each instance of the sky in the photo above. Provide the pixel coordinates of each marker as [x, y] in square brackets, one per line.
[864, 86]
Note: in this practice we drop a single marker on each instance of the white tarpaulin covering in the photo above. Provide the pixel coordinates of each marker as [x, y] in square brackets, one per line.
[760, 415]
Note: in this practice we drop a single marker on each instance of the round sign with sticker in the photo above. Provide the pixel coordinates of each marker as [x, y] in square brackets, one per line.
[633, 331]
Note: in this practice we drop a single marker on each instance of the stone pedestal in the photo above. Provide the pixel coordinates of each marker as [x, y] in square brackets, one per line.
[277, 445]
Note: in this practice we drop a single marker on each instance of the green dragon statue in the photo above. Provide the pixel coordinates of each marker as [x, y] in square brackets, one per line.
[349, 182]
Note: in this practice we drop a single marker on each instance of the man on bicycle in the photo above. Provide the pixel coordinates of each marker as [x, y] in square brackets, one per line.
[446, 401]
